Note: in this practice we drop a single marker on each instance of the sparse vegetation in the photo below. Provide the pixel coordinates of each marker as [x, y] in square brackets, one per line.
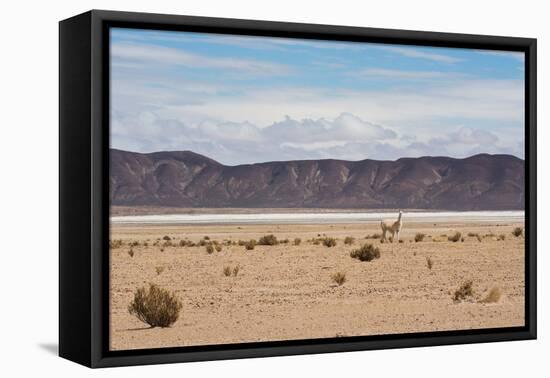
[464, 291]
[429, 263]
[166, 237]
[455, 237]
[373, 236]
[366, 253]
[209, 249]
[502, 237]
[349, 240]
[473, 234]
[517, 232]
[206, 238]
[297, 241]
[339, 278]
[419, 237]
[114, 244]
[493, 296]
[479, 238]
[155, 306]
[268, 240]
[250, 245]
[329, 242]
[131, 252]
[159, 270]
[227, 271]
[218, 247]
[236, 269]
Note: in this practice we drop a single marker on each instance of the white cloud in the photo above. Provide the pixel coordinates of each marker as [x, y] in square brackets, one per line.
[125, 53]
[415, 52]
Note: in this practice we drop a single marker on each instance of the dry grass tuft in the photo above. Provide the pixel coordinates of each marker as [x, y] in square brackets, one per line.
[429, 262]
[339, 278]
[366, 253]
[349, 240]
[517, 232]
[227, 271]
[114, 244]
[329, 242]
[268, 240]
[131, 252]
[501, 237]
[373, 236]
[455, 237]
[297, 241]
[218, 247]
[159, 270]
[166, 237]
[236, 270]
[419, 237]
[209, 249]
[155, 306]
[250, 245]
[493, 296]
[464, 291]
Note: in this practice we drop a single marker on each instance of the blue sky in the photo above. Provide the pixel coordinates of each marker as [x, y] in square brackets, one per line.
[242, 99]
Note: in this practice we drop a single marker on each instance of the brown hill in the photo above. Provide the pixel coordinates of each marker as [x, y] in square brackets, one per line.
[187, 179]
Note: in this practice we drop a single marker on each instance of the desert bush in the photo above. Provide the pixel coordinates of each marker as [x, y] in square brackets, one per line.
[366, 253]
[502, 237]
[268, 240]
[167, 243]
[465, 290]
[235, 271]
[183, 243]
[493, 296]
[455, 237]
[517, 232]
[479, 238]
[114, 244]
[134, 244]
[419, 237]
[131, 252]
[339, 278]
[166, 237]
[162, 249]
[349, 240]
[373, 236]
[429, 262]
[250, 245]
[218, 247]
[206, 238]
[155, 306]
[145, 244]
[159, 269]
[316, 241]
[329, 242]
[242, 242]
[203, 242]
[472, 234]
[227, 271]
[209, 249]
[297, 241]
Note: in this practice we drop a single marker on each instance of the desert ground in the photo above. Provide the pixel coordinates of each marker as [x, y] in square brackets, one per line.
[287, 291]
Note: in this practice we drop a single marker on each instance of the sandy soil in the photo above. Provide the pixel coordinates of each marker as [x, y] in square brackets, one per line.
[286, 292]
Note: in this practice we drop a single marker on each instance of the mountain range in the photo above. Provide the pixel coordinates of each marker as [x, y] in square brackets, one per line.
[187, 179]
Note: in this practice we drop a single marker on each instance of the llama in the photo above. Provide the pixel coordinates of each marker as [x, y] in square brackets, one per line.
[389, 225]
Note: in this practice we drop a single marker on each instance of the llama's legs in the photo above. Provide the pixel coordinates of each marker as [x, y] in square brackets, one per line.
[398, 236]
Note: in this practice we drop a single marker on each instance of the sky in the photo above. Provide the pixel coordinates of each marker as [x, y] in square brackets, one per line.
[244, 99]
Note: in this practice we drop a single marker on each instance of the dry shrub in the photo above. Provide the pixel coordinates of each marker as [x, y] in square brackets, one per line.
[366, 253]
[227, 271]
[209, 249]
[464, 291]
[167, 243]
[268, 240]
[479, 238]
[329, 242]
[155, 306]
[501, 237]
[455, 237]
[349, 240]
[114, 244]
[166, 237]
[159, 269]
[493, 296]
[419, 237]
[134, 244]
[284, 241]
[517, 232]
[339, 278]
[206, 238]
[250, 245]
[236, 270]
[131, 252]
[472, 234]
[316, 241]
[373, 236]
[297, 241]
[242, 242]
[429, 262]
[218, 247]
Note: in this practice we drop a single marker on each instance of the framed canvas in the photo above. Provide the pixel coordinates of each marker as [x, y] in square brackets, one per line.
[235, 188]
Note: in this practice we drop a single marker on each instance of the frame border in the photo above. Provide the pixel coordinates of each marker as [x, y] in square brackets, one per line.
[97, 256]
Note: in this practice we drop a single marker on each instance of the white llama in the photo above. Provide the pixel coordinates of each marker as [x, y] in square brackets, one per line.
[389, 225]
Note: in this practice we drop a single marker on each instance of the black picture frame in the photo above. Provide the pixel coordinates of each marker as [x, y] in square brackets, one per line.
[84, 193]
